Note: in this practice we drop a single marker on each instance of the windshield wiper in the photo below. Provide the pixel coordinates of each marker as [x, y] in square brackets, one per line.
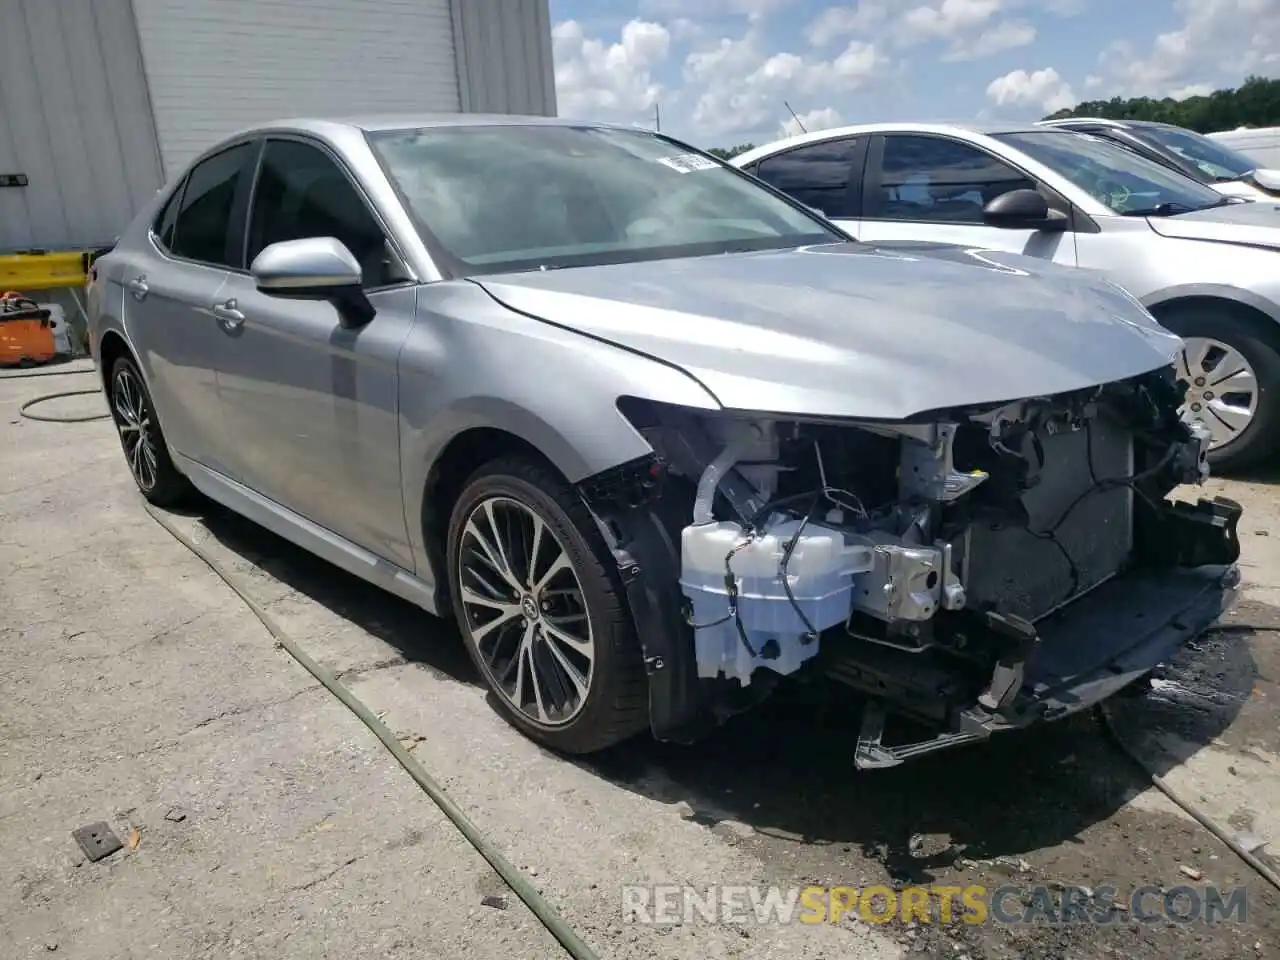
[1167, 209]
[1248, 174]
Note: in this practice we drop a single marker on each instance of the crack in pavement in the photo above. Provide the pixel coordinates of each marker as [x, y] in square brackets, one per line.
[247, 708]
[324, 877]
[371, 667]
[158, 635]
[241, 710]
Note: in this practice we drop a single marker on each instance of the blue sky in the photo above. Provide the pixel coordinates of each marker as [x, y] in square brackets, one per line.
[720, 70]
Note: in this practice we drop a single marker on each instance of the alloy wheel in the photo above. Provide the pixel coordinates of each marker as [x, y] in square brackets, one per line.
[525, 610]
[1222, 387]
[134, 421]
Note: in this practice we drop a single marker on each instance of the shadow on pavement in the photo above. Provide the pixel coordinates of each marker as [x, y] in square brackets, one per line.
[1267, 472]
[419, 637]
[786, 769]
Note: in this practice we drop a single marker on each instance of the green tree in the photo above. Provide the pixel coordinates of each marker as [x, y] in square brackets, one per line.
[1255, 103]
[732, 152]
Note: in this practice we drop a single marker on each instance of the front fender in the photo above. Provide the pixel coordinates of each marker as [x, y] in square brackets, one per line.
[469, 363]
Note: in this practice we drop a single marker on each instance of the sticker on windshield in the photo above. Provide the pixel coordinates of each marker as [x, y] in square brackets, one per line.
[688, 162]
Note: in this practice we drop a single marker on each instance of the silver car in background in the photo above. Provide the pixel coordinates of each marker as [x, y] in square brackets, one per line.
[1206, 267]
[1216, 165]
[655, 435]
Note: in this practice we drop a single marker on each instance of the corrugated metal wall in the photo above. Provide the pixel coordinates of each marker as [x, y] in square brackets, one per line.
[504, 56]
[214, 66]
[74, 118]
[96, 135]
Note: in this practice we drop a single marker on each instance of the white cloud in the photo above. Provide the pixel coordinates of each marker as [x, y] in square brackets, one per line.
[853, 19]
[609, 81]
[744, 86]
[823, 118]
[1215, 38]
[683, 29]
[707, 9]
[948, 18]
[1042, 89]
[1005, 35]
[1192, 90]
[971, 29]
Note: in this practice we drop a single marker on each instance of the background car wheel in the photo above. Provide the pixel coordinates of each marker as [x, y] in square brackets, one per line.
[541, 610]
[1233, 378]
[143, 443]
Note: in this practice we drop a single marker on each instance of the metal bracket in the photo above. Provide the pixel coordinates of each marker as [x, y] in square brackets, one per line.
[872, 754]
[1009, 672]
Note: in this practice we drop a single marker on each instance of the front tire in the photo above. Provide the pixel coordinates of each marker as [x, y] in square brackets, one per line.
[541, 610]
[1233, 378]
[141, 438]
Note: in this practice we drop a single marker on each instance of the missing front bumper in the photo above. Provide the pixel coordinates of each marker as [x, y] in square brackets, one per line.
[1087, 652]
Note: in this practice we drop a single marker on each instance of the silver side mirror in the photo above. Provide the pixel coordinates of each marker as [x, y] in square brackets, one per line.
[316, 265]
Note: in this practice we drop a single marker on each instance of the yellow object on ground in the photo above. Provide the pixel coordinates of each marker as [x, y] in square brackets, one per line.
[43, 271]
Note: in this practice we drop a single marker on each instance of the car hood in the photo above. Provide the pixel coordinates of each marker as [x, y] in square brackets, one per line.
[853, 330]
[1246, 190]
[1254, 224]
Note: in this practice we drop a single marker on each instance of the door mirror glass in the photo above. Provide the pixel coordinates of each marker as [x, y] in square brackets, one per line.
[1022, 210]
[315, 266]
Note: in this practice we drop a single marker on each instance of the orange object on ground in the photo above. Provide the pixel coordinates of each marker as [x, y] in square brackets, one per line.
[26, 333]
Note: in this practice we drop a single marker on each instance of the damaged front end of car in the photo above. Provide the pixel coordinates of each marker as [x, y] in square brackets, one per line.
[973, 570]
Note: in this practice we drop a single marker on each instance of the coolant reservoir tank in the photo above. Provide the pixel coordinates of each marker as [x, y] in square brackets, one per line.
[820, 575]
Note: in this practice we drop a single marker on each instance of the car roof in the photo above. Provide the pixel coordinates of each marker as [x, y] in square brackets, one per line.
[374, 123]
[960, 127]
[1106, 122]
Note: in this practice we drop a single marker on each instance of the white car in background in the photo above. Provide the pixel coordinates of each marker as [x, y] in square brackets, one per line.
[1206, 266]
[1260, 144]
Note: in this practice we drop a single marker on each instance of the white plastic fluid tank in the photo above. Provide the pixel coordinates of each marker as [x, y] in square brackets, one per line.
[61, 334]
[820, 574]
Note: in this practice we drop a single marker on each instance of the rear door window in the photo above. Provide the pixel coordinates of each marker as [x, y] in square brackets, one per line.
[164, 224]
[820, 175]
[203, 231]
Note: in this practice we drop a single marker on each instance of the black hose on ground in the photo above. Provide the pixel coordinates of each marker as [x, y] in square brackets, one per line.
[25, 409]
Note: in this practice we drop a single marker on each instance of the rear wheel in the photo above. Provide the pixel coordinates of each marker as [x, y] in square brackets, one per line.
[143, 443]
[1233, 383]
[541, 610]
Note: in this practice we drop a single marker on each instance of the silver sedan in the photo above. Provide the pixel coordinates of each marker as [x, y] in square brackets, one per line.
[657, 436]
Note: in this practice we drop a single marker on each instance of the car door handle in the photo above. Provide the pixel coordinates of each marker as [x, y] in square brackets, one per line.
[138, 287]
[227, 313]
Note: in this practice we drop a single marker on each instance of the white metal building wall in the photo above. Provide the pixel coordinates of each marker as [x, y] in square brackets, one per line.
[103, 100]
[74, 119]
[214, 66]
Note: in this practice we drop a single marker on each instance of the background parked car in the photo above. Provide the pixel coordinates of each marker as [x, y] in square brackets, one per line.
[1215, 164]
[1207, 268]
[1261, 144]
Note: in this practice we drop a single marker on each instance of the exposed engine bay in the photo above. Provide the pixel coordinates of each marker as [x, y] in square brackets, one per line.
[936, 567]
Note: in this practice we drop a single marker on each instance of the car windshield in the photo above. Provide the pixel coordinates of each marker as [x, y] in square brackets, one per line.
[1115, 176]
[1217, 162]
[540, 197]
